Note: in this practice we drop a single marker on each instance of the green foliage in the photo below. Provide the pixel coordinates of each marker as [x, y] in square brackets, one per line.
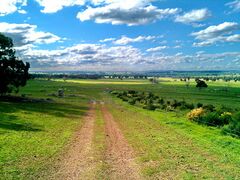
[13, 72]
[233, 128]
[201, 83]
[150, 107]
[199, 105]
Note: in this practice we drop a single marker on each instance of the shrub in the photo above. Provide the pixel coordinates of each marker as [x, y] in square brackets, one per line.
[169, 108]
[210, 119]
[175, 103]
[132, 92]
[234, 126]
[225, 118]
[161, 101]
[150, 107]
[221, 109]
[132, 101]
[209, 107]
[114, 92]
[195, 114]
[199, 105]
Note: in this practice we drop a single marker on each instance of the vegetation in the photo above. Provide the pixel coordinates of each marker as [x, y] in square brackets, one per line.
[13, 72]
[201, 83]
[33, 133]
[148, 100]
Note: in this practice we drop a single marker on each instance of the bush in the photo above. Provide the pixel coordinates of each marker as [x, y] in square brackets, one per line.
[132, 101]
[199, 105]
[161, 101]
[211, 119]
[189, 106]
[234, 126]
[195, 114]
[115, 92]
[209, 107]
[150, 107]
[225, 118]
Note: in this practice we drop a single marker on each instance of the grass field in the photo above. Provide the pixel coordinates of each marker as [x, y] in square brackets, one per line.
[166, 144]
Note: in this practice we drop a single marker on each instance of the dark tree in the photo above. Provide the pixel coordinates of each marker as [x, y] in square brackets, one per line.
[13, 72]
[201, 83]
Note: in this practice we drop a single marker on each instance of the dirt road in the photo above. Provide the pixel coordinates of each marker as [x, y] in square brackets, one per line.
[78, 161]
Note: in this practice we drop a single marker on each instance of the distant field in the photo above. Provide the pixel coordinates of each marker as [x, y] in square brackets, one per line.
[166, 144]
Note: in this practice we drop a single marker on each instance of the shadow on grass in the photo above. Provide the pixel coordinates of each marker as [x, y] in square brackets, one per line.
[54, 109]
[10, 121]
[7, 122]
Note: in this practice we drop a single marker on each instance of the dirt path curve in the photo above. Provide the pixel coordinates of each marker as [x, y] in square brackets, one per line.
[78, 161]
[119, 155]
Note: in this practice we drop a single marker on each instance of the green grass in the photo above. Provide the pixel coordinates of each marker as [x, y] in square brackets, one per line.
[170, 146]
[167, 144]
[32, 133]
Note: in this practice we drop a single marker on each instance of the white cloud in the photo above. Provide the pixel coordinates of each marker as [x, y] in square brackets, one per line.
[11, 6]
[26, 34]
[158, 48]
[52, 6]
[219, 33]
[101, 57]
[21, 11]
[126, 40]
[234, 5]
[196, 15]
[134, 12]
[83, 54]
[107, 40]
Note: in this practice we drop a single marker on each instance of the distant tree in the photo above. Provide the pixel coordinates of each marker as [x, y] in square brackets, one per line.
[201, 83]
[13, 72]
[153, 80]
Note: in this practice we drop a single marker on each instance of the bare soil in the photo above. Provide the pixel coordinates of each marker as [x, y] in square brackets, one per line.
[78, 162]
[119, 155]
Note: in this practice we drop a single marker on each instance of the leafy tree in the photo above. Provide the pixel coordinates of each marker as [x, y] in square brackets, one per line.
[13, 72]
[201, 83]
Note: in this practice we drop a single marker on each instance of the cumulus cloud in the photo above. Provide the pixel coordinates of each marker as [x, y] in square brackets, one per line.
[196, 15]
[52, 6]
[134, 12]
[234, 5]
[126, 40]
[158, 48]
[102, 57]
[83, 54]
[218, 33]
[26, 35]
[11, 6]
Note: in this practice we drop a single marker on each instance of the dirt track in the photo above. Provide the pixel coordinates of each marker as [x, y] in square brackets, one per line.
[78, 161]
[119, 155]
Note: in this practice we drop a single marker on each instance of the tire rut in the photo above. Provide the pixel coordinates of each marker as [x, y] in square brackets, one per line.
[119, 155]
[78, 161]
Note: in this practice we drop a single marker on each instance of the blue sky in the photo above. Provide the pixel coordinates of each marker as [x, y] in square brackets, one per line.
[122, 35]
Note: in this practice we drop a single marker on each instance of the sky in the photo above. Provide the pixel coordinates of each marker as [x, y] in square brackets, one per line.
[124, 35]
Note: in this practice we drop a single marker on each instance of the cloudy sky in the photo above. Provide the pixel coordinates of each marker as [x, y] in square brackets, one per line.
[120, 35]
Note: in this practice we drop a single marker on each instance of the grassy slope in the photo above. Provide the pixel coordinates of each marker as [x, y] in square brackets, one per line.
[170, 146]
[31, 134]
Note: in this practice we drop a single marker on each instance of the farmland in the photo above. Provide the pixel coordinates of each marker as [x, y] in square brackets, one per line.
[36, 137]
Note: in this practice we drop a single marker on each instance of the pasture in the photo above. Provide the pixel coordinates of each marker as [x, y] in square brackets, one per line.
[34, 136]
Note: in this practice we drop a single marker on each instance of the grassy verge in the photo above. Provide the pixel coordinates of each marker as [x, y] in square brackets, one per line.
[32, 133]
[169, 146]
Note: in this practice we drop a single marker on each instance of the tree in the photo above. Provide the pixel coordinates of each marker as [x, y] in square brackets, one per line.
[201, 83]
[13, 72]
